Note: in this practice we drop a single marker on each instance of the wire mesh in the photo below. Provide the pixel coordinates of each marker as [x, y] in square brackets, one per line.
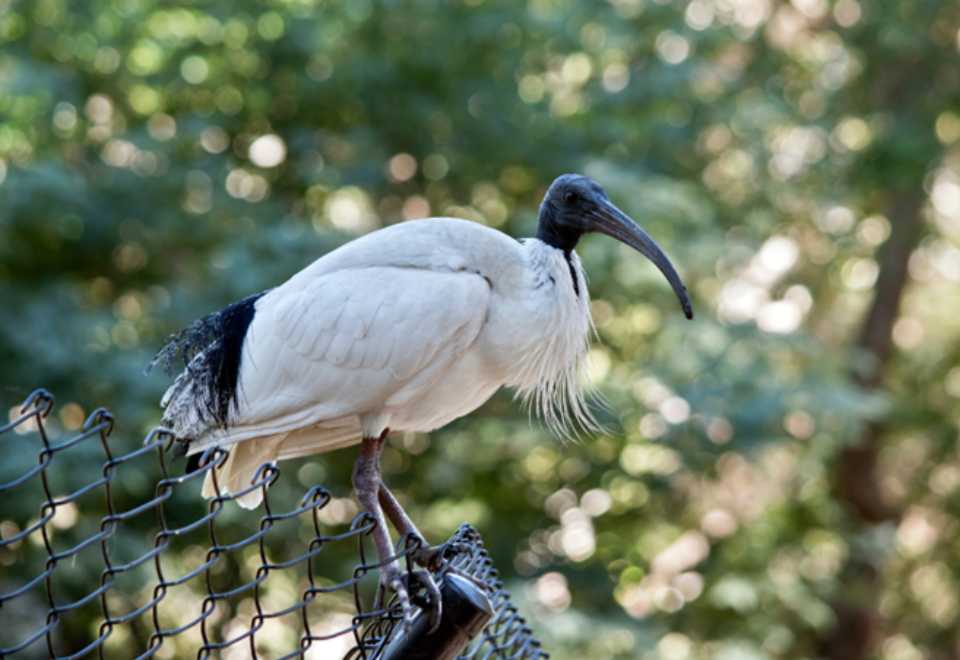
[165, 574]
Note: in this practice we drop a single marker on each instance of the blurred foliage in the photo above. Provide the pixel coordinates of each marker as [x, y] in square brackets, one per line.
[158, 161]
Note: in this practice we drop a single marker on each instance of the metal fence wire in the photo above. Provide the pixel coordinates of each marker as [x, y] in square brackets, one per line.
[166, 574]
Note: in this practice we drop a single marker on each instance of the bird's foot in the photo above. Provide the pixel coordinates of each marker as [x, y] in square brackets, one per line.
[399, 582]
[435, 558]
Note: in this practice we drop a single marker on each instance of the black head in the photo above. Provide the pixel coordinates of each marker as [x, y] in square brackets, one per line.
[565, 214]
[575, 205]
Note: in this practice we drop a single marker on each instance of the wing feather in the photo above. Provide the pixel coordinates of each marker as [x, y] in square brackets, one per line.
[320, 346]
[348, 341]
[384, 349]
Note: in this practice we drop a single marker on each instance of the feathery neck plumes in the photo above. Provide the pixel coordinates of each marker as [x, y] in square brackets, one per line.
[552, 371]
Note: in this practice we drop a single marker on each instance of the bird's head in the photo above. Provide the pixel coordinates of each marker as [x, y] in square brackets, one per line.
[575, 205]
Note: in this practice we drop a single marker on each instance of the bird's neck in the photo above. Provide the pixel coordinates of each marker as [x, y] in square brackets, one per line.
[557, 330]
[546, 259]
[552, 233]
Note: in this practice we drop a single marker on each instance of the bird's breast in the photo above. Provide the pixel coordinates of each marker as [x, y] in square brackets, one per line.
[539, 322]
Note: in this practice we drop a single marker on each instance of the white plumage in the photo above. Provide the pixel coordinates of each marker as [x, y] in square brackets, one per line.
[405, 329]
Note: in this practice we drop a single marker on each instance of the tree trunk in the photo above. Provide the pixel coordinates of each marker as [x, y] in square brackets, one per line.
[856, 482]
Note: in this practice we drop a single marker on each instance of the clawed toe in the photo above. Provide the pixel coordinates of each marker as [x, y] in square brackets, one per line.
[434, 558]
[433, 595]
[393, 579]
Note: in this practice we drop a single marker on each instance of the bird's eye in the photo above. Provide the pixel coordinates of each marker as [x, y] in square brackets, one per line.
[569, 197]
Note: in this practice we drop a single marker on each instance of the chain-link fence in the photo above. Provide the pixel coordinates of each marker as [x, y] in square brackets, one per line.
[113, 556]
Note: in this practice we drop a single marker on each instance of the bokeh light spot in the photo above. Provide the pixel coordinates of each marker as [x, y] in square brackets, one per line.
[672, 48]
[268, 151]
[194, 69]
[402, 167]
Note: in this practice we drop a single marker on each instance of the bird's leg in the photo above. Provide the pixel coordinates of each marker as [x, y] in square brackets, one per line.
[429, 557]
[404, 526]
[366, 482]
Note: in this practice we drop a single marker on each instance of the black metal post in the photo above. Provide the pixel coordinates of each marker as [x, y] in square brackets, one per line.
[466, 611]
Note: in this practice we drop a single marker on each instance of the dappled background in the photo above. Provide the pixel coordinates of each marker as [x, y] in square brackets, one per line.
[781, 475]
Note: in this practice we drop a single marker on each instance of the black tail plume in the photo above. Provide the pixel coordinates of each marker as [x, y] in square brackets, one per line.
[211, 349]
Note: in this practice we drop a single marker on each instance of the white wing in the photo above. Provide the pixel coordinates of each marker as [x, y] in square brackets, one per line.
[352, 343]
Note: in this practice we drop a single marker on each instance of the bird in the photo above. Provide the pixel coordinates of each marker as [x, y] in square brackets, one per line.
[403, 329]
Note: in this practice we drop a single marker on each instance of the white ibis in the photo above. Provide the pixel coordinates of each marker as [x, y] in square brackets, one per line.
[404, 329]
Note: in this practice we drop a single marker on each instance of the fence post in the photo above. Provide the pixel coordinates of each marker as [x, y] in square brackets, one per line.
[466, 611]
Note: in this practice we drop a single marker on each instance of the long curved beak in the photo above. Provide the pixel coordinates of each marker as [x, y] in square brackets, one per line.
[614, 222]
